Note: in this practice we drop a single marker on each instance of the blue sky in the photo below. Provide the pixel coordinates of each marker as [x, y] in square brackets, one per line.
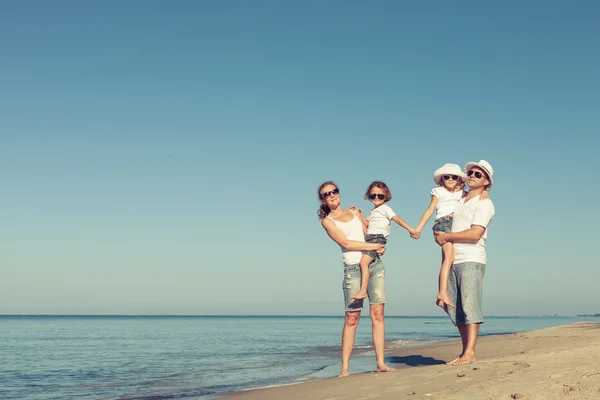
[163, 157]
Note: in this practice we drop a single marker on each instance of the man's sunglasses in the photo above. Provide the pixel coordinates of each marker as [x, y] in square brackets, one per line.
[450, 177]
[477, 174]
[327, 194]
[380, 196]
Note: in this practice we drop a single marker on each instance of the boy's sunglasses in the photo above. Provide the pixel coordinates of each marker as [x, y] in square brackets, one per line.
[450, 177]
[327, 194]
[380, 196]
[477, 174]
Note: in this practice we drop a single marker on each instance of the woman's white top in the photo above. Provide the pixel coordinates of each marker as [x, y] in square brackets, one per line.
[353, 230]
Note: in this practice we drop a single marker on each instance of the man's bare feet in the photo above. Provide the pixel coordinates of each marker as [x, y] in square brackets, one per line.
[453, 361]
[385, 368]
[464, 359]
[360, 295]
[445, 298]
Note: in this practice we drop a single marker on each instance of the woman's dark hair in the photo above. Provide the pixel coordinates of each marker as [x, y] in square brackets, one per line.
[382, 186]
[324, 210]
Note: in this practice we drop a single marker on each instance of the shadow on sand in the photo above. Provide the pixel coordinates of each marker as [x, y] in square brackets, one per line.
[414, 360]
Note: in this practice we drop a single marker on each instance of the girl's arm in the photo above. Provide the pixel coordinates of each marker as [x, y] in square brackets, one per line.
[338, 236]
[363, 221]
[428, 213]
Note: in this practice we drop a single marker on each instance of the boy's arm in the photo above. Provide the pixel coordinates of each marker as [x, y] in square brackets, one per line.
[363, 221]
[403, 223]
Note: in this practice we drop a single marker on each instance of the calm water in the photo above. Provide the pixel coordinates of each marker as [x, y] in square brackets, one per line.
[152, 358]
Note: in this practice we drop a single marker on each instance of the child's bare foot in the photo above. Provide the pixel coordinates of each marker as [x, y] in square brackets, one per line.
[344, 373]
[443, 296]
[360, 295]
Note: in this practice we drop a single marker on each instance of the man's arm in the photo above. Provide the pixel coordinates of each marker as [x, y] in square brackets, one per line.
[471, 235]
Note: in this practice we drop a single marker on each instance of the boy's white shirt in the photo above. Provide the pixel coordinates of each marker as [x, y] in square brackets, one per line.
[379, 220]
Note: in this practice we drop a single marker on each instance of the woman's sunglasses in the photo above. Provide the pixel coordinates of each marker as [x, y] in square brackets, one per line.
[450, 177]
[327, 194]
[477, 174]
[379, 196]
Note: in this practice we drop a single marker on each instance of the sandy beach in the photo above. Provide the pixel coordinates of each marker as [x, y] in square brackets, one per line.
[554, 363]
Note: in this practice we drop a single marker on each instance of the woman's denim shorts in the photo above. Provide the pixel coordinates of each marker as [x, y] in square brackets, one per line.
[375, 290]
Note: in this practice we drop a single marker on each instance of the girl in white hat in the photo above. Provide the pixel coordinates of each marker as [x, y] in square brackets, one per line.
[450, 180]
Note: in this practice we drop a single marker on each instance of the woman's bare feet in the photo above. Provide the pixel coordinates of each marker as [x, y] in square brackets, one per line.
[362, 294]
[384, 368]
[445, 298]
[343, 374]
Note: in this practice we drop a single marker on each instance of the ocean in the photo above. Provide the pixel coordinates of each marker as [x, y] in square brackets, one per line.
[198, 357]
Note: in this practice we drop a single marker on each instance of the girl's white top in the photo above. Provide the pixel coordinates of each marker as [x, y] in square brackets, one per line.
[379, 220]
[447, 201]
[353, 230]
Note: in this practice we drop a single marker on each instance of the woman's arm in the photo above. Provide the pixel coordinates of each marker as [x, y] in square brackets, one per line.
[428, 213]
[338, 236]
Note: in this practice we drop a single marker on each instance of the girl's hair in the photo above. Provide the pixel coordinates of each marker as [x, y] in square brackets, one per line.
[382, 186]
[324, 210]
[459, 186]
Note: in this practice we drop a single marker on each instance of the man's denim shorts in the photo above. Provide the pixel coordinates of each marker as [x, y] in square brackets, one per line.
[375, 290]
[443, 224]
[377, 238]
[465, 287]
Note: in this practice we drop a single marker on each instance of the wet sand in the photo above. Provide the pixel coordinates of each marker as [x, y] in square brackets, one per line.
[554, 363]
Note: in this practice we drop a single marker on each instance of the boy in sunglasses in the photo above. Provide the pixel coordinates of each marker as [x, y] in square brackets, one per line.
[450, 180]
[376, 228]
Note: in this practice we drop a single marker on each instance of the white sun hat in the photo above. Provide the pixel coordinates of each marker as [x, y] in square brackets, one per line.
[449, 169]
[484, 165]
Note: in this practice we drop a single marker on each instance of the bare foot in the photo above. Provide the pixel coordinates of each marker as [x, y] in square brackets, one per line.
[464, 359]
[344, 373]
[443, 296]
[453, 361]
[385, 368]
[360, 295]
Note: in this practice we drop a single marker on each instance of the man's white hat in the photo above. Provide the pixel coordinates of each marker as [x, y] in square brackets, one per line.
[484, 165]
[449, 169]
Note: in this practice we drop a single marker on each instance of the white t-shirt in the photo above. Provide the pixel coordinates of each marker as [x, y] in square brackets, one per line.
[379, 220]
[446, 201]
[353, 230]
[473, 212]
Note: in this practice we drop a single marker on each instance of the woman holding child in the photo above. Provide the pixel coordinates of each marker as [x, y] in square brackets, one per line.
[344, 226]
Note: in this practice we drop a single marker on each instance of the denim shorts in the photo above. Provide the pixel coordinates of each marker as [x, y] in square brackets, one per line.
[465, 287]
[443, 224]
[375, 290]
[377, 238]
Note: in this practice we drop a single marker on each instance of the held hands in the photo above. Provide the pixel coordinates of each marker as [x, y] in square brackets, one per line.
[380, 250]
[440, 237]
[415, 234]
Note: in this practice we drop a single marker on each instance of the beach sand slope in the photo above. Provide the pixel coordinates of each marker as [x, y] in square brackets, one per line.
[554, 363]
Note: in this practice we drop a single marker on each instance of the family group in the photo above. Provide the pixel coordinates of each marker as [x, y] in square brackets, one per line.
[463, 213]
